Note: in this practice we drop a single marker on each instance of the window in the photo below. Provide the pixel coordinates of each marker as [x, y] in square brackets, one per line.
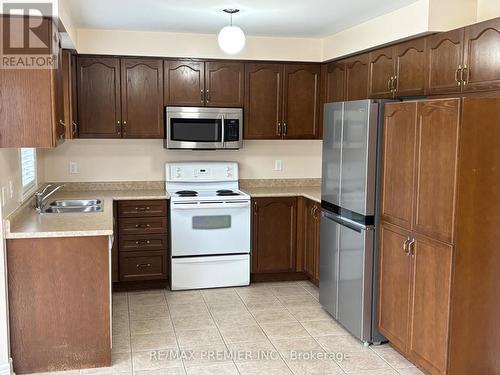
[28, 170]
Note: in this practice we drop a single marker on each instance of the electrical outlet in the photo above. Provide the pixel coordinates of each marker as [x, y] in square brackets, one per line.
[278, 165]
[4, 196]
[12, 191]
[73, 167]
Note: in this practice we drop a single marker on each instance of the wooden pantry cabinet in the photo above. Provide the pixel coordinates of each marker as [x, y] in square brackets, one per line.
[437, 238]
[32, 104]
[282, 101]
[199, 83]
[120, 97]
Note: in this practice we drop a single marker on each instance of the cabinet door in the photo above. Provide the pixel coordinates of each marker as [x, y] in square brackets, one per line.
[394, 285]
[99, 97]
[444, 60]
[357, 77]
[430, 308]
[381, 73]
[301, 101]
[438, 126]
[142, 98]
[310, 237]
[482, 61]
[274, 235]
[59, 114]
[398, 166]
[224, 84]
[263, 92]
[335, 81]
[409, 59]
[184, 83]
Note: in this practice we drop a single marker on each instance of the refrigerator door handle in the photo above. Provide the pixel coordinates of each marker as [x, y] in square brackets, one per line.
[351, 224]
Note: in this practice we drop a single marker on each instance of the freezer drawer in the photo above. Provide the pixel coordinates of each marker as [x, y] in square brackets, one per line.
[210, 272]
[346, 266]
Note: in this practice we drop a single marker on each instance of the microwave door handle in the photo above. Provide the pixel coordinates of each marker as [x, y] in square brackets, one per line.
[223, 126]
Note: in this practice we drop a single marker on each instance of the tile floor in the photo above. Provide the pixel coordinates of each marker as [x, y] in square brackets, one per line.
[270, 328]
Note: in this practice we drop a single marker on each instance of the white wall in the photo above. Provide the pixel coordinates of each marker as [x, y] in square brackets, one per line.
[487, 9]
[142, 43]
[130, 160]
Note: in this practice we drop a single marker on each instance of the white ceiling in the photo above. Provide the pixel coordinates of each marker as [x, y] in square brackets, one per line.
[286, 18]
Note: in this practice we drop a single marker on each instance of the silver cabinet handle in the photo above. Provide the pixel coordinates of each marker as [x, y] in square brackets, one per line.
[278, 129]
[207, 95]
[285, 129]
[389, 84]
[458, 75]
[202, 96]
[411, 247]
[405, 246]
[465, 69]
[143, 265]
[394, 83]
[118, 127]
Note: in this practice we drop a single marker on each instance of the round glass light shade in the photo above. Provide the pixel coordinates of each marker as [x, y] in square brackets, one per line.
[231, 39]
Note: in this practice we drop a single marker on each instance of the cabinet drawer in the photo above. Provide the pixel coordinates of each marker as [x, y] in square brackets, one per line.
[143, 242]
[145, 265]
[141, 208]
[146, 225]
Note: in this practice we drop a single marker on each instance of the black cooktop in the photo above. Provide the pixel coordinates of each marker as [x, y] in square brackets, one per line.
[226, 192]
[186, 193]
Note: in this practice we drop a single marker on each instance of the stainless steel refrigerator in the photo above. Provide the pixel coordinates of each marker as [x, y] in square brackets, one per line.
[349, 208]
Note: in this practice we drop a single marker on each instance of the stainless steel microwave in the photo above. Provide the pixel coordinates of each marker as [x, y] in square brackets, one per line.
[203, 128]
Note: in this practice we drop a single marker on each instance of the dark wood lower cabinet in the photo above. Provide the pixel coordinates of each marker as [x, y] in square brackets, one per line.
[142, 242]
[59, 303]
[274, 235]
[311, 212]
[285, 233]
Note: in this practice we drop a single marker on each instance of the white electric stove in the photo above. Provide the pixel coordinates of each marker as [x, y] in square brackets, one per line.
[210, 225]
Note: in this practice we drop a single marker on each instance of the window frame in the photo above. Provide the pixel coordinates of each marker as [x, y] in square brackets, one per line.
[31, 187]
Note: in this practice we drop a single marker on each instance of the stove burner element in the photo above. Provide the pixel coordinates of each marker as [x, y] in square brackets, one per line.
[225, 192]
[186, 193]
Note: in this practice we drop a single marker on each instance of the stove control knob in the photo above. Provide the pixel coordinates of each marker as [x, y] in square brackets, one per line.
[178, 172]
[229, 172]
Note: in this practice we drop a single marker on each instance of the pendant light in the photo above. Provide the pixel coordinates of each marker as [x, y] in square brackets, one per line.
[231, 38]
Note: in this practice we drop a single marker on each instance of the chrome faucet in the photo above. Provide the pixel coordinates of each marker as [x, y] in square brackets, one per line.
[40, 196]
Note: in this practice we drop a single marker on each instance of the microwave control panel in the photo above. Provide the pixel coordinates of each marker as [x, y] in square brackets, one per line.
[231, 130]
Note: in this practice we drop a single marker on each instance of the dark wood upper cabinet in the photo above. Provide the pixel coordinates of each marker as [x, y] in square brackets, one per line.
[301, 101]
[274, 235]
[437, 153]
[99, 101]
[409, 60]
[381, 83]
[444, 62]
[263, 93]
[334, 81]
[398, 168]
[184, 82]
[357, 77]
[481, 70]
[32, 102]
[142, 98]
[224, 84]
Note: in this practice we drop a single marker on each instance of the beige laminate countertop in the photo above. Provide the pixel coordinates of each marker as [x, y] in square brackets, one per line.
[310, 192]
[27, 223]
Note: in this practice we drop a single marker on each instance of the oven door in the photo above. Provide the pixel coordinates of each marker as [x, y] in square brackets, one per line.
[210, 228]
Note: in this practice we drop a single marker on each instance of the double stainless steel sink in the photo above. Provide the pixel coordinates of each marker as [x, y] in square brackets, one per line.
[74, 205]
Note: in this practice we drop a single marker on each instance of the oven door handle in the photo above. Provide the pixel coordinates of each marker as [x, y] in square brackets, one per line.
[223, 126]
[194, 206]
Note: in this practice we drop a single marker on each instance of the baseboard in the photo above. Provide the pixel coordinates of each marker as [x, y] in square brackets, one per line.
[280, 276]
[126, 286]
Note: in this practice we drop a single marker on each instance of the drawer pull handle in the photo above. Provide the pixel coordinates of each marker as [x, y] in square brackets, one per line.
[142, 225]
[143, 265]
[142, 208]
[143, 242]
